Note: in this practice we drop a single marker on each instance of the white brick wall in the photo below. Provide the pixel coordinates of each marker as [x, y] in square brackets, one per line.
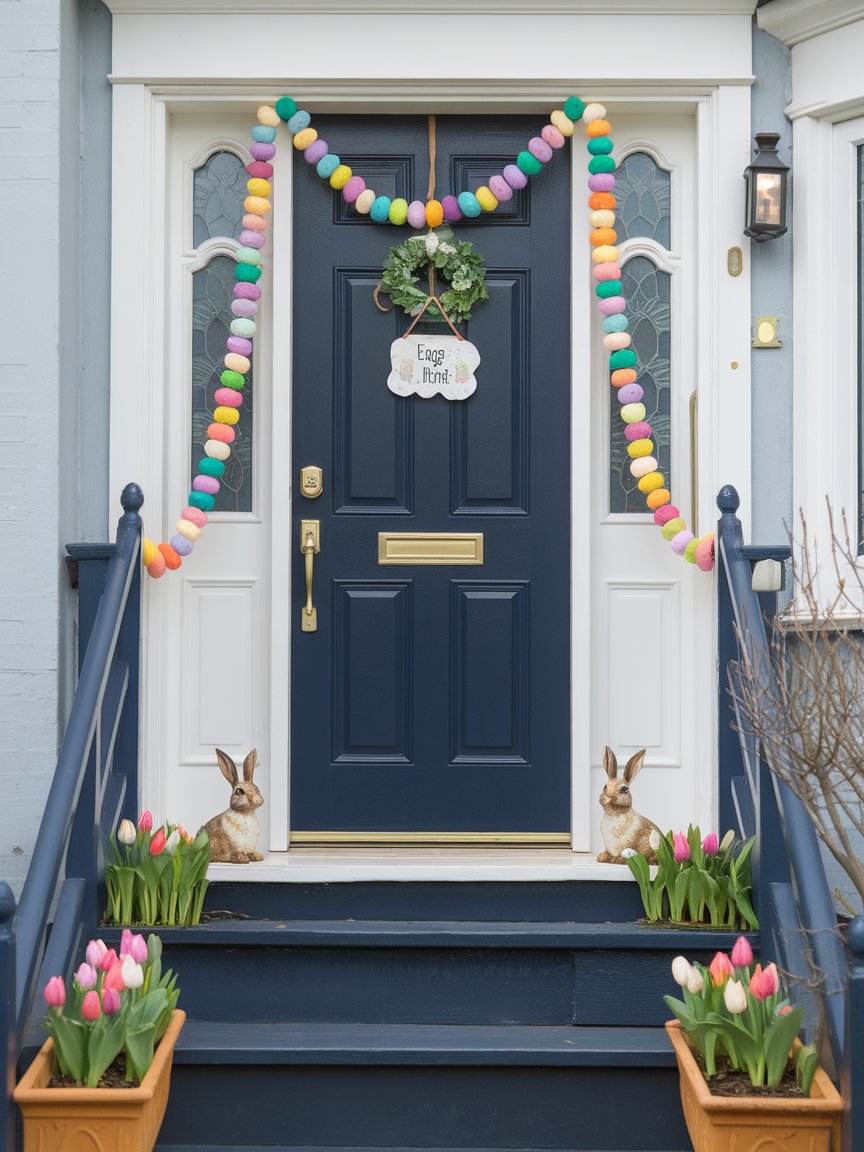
[30, 568]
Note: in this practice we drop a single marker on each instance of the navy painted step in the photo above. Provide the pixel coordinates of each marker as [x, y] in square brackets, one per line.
[431, 972]
[398, 1087]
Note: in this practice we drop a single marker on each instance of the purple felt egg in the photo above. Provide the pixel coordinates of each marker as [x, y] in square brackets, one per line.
[601, 182]
[240, 345]
[250, 239]
[181, 545]
[612, 305]
[539, 149]
[515, 177]
[245, 291]
[417, 214]
[247, 308]
[352, 189]
[630, 394]
[207, 484]
[316, 151]
[450, 206]
[499, 188]
[262, 151]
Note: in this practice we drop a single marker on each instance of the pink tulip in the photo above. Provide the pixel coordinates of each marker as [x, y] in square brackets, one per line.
[742, 953]
[96, 949]
[126, 942]
[720, 969]
[138, 951]
[114, 977]
[108, 960]
[110, 1001]
[145, 821]
[157, 843]
[86, 975]
[55, 992]
[763, 984]
[90, 1008]
[681, 847]
[711, 844]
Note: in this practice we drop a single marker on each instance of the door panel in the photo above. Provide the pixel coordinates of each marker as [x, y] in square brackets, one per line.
[433, 698]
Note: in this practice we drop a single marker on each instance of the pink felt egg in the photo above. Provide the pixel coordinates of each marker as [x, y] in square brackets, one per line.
[643, 466]
[353, 188]
[208, 484]
[705, 553]
[679, 543]
[245, 308]
[640, 430]
[630, 394]
[606, 271]
[244, 291]
[259, 170]
[417, 214]
[540, 149]
[254, 222]
[229, 397]
[612, 305]
[499, 188]
[194, 516]
[552, 136]
[665, 514]
[156, 567]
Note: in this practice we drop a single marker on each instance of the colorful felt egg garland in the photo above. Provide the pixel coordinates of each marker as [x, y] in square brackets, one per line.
[607, 274]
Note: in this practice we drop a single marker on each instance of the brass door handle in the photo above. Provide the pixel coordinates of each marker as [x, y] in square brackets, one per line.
[310, 543]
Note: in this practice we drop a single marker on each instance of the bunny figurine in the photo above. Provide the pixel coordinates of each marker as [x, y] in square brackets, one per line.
[621, 826]
[234, 832]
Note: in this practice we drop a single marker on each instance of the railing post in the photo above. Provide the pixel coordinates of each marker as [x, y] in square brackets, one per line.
[128, 651]
[852, 1067]
[7, 1012]
[729, 748]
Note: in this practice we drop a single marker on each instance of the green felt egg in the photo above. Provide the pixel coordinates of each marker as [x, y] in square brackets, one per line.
[574, 107]
[232, 379]
[248, 273]
[528, 164]
[202, 500]
[286, 106]
[600, 146]
[207, 466]
[601, 164]
[623, 358]
[608, 288]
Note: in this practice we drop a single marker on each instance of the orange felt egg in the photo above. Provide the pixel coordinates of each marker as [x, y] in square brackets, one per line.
[658, 498]
[172, 559]
[598, 128]
[598, 200]
[603, 236]
[434, 213]
[623, 376]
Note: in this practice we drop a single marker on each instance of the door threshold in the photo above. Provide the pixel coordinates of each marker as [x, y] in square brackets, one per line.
[328, 865]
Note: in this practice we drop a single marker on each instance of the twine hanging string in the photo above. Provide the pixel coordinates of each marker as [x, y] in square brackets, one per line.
[430, 299]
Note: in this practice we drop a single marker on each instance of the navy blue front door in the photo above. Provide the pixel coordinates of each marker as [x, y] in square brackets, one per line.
[432, 699]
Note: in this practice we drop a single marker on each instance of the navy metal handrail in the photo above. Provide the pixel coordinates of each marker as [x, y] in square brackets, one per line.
[67, 853]
[807, 921]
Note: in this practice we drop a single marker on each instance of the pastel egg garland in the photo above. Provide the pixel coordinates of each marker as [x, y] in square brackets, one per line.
[159, 558]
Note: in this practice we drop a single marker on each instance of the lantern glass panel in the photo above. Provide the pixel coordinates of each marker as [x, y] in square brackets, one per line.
[768, 195]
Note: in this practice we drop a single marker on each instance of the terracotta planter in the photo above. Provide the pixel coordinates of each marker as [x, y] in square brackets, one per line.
[96, 1119]
[751, 1123]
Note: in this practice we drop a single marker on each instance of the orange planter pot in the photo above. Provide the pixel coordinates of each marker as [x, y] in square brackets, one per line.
[755, 1123]
[96, 1119]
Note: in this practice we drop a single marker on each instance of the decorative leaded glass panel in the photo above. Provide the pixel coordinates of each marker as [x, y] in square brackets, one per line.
[211, 318]
[644, 199]
[860, 152]
[647, 291]
[220, 188]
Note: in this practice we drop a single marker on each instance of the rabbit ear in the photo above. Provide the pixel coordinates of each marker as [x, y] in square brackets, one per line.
[634, 766]
[610, 763]
[249, 765]
[227, 766]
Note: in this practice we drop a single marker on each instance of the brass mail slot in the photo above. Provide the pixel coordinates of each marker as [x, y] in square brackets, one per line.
[430, 547]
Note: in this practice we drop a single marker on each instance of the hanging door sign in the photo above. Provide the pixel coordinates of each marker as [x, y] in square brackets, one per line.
[431, 364]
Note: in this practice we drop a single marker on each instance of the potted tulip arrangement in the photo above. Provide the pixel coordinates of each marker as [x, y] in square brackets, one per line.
[746, 1090]
[699, 880]
[156, 876]
[103, 1075]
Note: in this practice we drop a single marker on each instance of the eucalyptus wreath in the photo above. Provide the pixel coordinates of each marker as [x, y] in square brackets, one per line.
[457, 263]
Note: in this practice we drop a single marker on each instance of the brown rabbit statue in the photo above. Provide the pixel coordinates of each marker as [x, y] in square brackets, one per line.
[234, 832]
[621, 825]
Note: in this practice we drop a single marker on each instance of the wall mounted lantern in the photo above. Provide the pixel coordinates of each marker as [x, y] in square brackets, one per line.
[766, 179]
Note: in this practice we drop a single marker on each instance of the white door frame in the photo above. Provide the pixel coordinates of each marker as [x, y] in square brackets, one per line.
[141, 113]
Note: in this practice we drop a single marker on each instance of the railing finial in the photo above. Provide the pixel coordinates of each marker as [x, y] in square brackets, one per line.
[855, 937]
[728, 499]
[132, 498]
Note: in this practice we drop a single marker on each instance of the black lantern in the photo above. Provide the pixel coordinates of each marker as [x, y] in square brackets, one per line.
[765, 181]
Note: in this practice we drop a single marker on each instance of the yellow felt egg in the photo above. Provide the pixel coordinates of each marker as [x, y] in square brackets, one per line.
[364, 201]
[304, 138]
[256, 187]
[225, 415]
[630, 413]
[234, 362]
[268, 116]
[257, 205]
[341, 176]
[188, 529]
[485, 199]
[653, 482]
[605, 254]
[602, 218]
[673, 527]
[148, 550]
[638, 448]
[563, 123]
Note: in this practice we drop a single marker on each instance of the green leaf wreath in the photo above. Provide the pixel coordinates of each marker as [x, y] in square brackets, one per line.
[456, 262]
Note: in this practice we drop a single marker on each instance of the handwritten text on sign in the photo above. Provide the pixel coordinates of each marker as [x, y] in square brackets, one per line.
[431, 364]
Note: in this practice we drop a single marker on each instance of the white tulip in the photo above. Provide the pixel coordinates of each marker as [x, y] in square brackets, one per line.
[681, 969]
[432, 243]
[172, 842]
[695, 983]
[654, 839]
[734, 997]
[126, 832]
[131, 972]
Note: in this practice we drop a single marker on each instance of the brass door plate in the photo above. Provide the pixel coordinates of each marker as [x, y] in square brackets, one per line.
[311, 482]
[765, 332]
[430, 547]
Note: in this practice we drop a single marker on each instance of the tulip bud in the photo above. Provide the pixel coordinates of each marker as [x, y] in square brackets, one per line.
[763, 984]
[734, 997]
[681, 847]
[110, 1001]
[172, 842]
[681, 968]
[629, 853]
[742, 953]
[96, 949]
[86, 976]
[108, 960]
[695, 982]
[114, 977]
[132, 972]
[138, 948]
[654, 839]
[728, 840]
[90, 1007]
[719, 969]
[157, 844]
[55, 992]
[126, 832]
[145, 821]
[711, 845]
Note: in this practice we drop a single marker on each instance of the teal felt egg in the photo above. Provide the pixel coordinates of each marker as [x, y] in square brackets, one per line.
[327, 165]
[207, 466]
[608, 288]
[601, 164]
[623, 358]
[299, 121]
[263, 134]
[616, 323]
[286, 106]
[380, 210]
[573, 108]
[469, 204]
[202, 500]
[247, 273]
[600, 146]
[528, 164]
